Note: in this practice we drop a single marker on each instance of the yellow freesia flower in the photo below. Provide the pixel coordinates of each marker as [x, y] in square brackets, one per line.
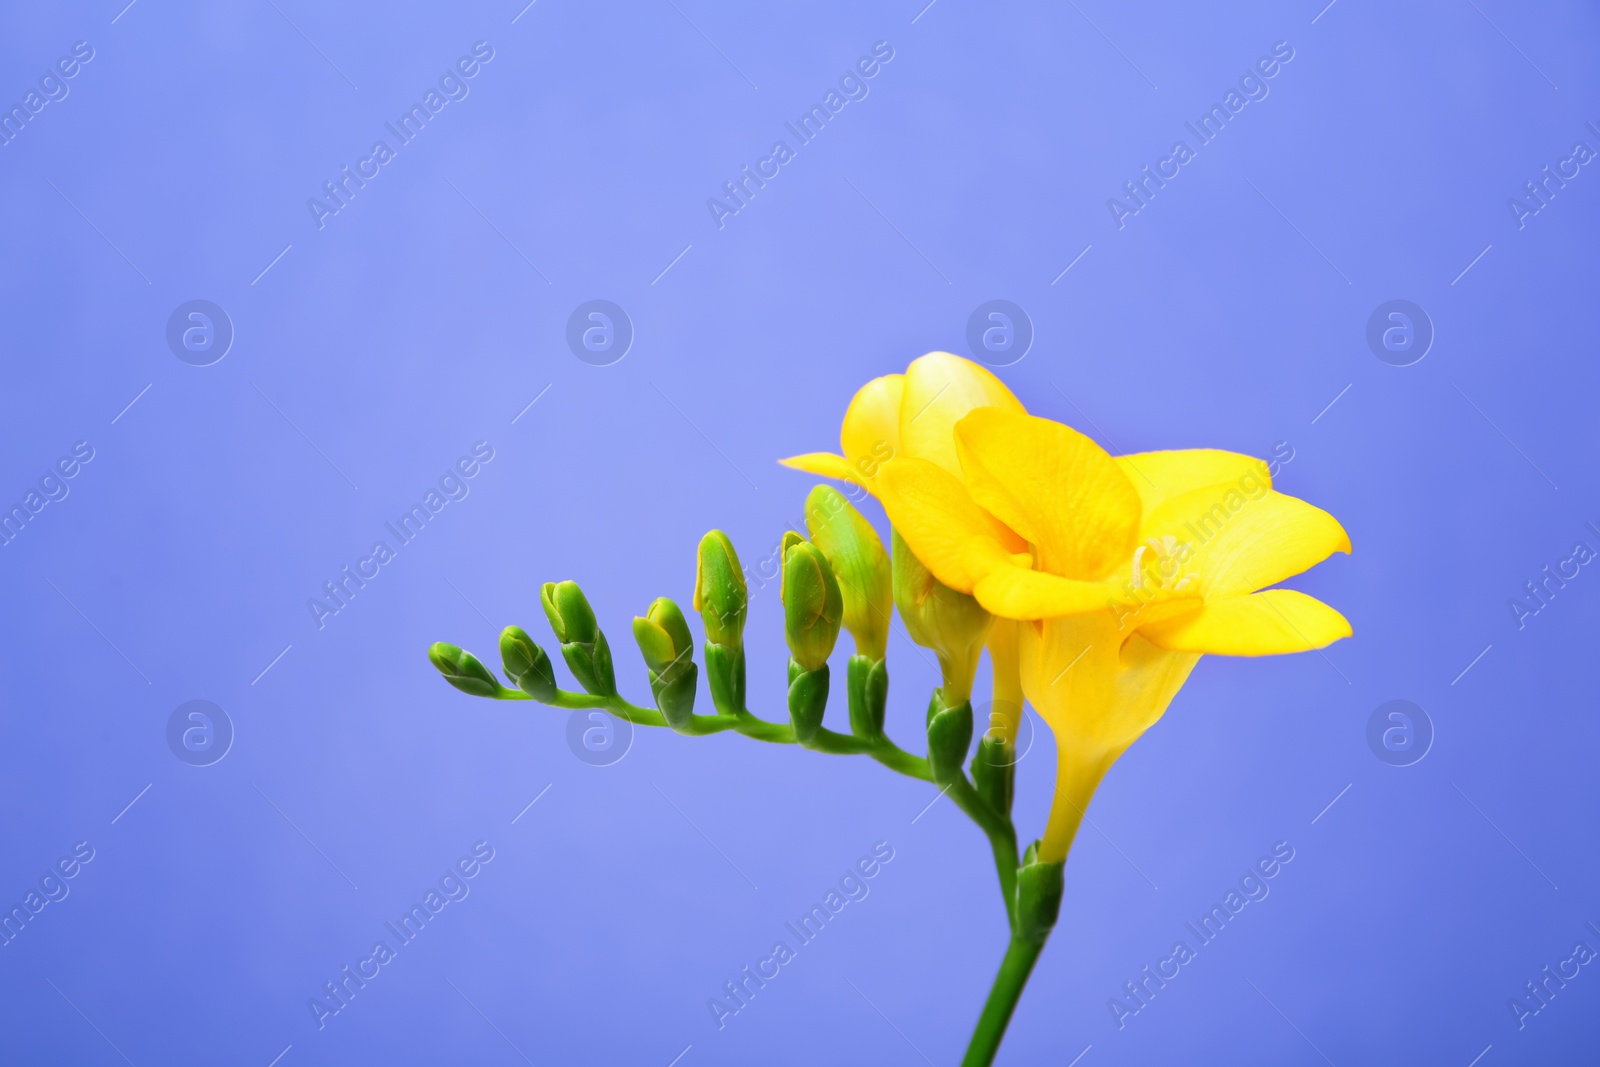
[1135, 566]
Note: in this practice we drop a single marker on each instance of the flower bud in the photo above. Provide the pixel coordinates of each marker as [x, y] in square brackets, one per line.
[527, 665]
[463, 670]
[949, 737]
[583, 645]
[860, 563]
[812, 604]
[719, 591]
[808, 700]
[954, 625]
[1039, 887]
[668, 650]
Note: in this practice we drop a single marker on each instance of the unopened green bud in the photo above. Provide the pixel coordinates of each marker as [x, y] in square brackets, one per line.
[954, 625]
[808, 700]
[1039, 887]
[527, 665]
[668, 650]
[583, 645]
[949, 737]
[463, 670]
[861, 564]
[812, 604]
[720, 595]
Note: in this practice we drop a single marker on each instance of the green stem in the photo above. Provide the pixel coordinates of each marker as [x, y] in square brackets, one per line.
[1000, 831]
[1021, 955]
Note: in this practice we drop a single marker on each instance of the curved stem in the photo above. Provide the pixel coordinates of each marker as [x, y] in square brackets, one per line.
[1021, 954]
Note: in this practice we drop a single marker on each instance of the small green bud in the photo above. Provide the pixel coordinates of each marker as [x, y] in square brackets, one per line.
[583, 645]
[463, 670]
[720, 595]
[949, 737]
[869, 695]
[812, 604]
[668, 648]
[569, 612]
[994, 772]
[808, 700]
[1039, 887]
[861, 564]
[527, 665]
[954, 625]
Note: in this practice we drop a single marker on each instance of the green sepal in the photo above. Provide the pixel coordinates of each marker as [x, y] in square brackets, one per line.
[464, 670]
[675, 697]
[583, 645]
[994, 772]
[869, 695]
[725, 674]
[808, 700]
[527, 665]
[1038, 905]
[949, 737]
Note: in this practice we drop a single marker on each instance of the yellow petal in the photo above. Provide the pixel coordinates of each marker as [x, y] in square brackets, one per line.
[1159, 476]
[937, 518]
[1014, 592]
[939, 390]
[1055, 487]
[870, 435]
[823, 464]
[1260, 624]
[1238, 543]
